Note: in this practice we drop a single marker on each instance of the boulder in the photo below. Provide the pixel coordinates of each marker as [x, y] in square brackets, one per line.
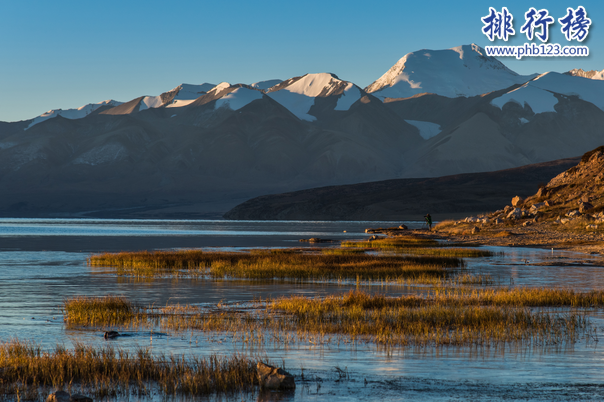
[535, 207]
[542, 192]
[516, 213]
[527, 223]
[564, 221]
[475, 229]
[274, 378]
[573, 214]
[369, 231]
[498, 221]
[585, 206]
[591, 227]
[516, 201]
[376, 237]
[403, 227]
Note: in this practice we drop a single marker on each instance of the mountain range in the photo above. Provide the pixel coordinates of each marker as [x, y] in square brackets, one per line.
[198, 150]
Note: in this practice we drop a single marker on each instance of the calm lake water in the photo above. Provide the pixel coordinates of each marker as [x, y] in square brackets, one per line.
[43, 261]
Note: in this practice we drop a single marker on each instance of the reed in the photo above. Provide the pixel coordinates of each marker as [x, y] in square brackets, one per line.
[444, 317]
[281, 266]
[109, 310]
[415, 321]
[110, 372]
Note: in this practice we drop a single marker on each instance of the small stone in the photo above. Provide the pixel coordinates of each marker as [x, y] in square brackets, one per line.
[591, 227]
[274, 378]
[527, 223]
[369, 231]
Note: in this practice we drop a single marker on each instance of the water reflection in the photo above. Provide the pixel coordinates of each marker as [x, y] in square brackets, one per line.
[33, 285]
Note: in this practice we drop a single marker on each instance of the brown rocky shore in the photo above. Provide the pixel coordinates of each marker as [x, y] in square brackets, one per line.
[566, 213]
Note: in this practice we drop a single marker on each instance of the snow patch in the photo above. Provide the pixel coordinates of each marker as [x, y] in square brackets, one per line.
[150, 102]
[238, 98]
[426, 129]
[539, 92]
[523, 120]
[72, 114]
[220, 87]
[181, 103]
[351, 95]
[539, 100]
[100, 155]
[264, 85]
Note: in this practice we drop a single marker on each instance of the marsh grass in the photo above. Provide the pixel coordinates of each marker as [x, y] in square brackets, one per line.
[282, 266]
[421, 247]
[27, 368]
[396, 242]
[411, 320]
[108, 310]
[445, 317]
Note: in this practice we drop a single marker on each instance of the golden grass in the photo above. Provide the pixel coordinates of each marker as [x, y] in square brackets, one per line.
[396, 242]
[266, 265]
[108, 310]
[26, 368]
[415, 321]
[446, 317]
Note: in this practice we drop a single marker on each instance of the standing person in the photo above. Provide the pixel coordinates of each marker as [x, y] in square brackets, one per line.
[428, 219]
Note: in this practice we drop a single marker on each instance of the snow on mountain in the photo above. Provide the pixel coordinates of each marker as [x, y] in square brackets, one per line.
[591, 74]
[187, 93]
[426, 129]
[298, 94]
[539, 93]
[264, 85]
[351, 94]
[150, 102]
[78, 113]
[459, 71]
[238, 98]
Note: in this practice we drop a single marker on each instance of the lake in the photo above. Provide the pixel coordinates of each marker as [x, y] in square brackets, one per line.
[43, 261]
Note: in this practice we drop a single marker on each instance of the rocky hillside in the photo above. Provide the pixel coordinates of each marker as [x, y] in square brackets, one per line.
[571, 201]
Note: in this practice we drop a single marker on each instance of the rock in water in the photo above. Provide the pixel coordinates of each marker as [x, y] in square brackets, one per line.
[403, 227]
[59, 396]
[111, 334]
[274, 378]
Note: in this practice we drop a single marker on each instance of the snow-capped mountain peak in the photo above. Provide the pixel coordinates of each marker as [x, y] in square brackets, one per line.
[298, 94]
[460, 71]
[591, 74]
[78, 113]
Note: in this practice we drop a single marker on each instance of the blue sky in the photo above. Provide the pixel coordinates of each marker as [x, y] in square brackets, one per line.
[64, 54]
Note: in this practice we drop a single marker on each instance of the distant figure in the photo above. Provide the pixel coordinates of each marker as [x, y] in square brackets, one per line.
[428, 219]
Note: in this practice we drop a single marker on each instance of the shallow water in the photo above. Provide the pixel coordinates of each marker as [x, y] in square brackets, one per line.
[34, 282]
